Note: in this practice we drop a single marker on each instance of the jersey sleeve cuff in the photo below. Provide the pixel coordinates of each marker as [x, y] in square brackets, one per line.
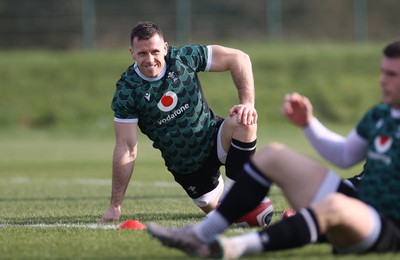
[126, 121]
[209, 58]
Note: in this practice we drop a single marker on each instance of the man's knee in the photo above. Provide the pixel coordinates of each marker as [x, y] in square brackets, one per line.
[332, 209]
[269, 153]
[241, 130]
[335, 201]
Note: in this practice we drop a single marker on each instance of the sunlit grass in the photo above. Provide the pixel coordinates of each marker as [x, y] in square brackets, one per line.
[64, 183]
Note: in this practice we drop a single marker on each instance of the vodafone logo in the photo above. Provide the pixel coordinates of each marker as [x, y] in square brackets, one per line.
[383, 143]
[168, 101]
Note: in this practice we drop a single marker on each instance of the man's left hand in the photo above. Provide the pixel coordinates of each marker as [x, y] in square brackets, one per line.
[246, 113]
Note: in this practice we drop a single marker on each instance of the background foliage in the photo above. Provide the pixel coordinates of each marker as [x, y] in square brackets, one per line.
[72, 91]
[59, 24]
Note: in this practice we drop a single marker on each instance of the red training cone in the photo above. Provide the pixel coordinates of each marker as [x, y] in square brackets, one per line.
[132, 224]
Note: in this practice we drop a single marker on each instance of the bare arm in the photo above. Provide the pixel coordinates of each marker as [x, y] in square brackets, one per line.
[239, 64]
[122, 167]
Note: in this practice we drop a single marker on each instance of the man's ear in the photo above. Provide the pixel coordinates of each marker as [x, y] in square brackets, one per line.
[165, 48]
[132, 53]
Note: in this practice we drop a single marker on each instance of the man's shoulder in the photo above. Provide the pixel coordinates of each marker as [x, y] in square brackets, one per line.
[382, 107]
[380, 110]
[191, 56]
[377, 110]
[130, 77]
[186, 50]
[373, 118]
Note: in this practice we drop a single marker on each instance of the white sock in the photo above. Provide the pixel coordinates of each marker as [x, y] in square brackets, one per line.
[250, 243]
[214, 224]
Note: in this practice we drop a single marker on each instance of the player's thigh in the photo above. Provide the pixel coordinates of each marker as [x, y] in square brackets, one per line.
[298, 176]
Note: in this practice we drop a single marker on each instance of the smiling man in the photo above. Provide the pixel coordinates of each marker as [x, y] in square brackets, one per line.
[161, 95]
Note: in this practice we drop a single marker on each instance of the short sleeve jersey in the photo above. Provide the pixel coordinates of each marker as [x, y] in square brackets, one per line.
[171, 109]
[381, 184]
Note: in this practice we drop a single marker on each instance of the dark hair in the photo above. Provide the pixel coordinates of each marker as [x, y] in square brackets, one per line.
[145, 30]
[392, 50]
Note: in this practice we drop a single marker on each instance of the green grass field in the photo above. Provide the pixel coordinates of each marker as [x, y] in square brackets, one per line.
[56, 142]
[54, 189]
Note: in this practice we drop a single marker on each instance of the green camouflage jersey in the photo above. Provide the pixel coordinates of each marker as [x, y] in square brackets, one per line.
[171, 109]
[381, 184]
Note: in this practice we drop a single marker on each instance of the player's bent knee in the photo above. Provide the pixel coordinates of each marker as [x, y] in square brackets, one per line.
[335, 201]
[268, 153]
[333, 207]
[235, 126]
[271, 149]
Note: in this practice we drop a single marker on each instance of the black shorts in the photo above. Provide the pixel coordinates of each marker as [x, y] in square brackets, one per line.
[204, 180]
[389, 238]
[356, 180]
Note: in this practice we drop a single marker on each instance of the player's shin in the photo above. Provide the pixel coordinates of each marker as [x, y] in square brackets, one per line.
[238, 154]
[295, 231]
[246, 194]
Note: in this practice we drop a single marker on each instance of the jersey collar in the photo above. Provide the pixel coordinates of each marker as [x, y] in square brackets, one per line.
[395, 113]
[147, 78]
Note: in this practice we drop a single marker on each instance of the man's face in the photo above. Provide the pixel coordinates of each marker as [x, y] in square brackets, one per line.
[149, 55]
[390, 81]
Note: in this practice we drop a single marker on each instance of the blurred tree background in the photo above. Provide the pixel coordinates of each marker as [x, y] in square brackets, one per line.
[64, 24]
[60, 59]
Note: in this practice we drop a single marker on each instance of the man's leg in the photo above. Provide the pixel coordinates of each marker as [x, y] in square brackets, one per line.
[275, 163]
[350, 225]
[235, 144]
[299, 177]
[347, 221]
[239, 142]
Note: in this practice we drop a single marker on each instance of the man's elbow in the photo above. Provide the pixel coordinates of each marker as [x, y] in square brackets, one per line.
[125, 152]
